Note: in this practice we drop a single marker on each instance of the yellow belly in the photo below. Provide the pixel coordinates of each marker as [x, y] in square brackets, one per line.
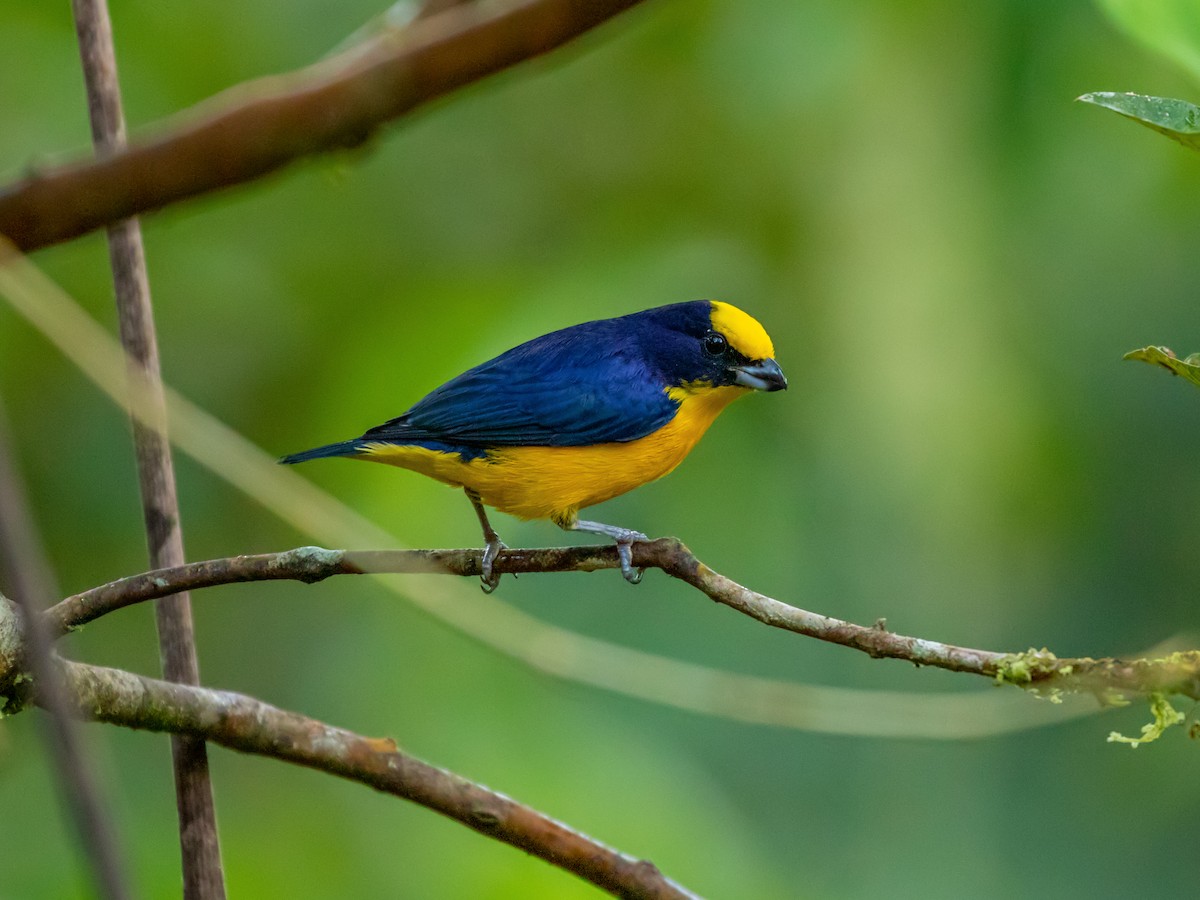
[556, 482]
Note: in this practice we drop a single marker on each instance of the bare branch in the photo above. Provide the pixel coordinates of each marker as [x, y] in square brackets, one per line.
[202, 875]
[312, 564]
[265, 125]
[251, 726]
[1177, 673]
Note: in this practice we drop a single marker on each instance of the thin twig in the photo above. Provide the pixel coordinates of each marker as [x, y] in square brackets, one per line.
[311, 564]
[26, 575]
[202, 875]
[1177, 673]
[263, 126]
[248, 725]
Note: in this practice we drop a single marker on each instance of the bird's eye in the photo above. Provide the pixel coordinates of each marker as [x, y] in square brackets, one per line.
[715, 344]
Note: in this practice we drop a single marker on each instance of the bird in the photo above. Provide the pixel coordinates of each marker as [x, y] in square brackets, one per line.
[577, 416]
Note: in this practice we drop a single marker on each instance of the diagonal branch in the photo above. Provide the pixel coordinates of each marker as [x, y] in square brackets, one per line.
[250, 726]
[1177, 673]
[265, 125]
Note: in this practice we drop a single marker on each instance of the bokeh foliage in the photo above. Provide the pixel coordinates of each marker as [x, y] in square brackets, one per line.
[952, 258]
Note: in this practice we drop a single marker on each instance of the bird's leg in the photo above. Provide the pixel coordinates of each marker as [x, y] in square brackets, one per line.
[623, 536]
[492, 544]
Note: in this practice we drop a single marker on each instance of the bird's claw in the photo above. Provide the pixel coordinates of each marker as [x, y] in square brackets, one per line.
[625, 553]
[488, 579]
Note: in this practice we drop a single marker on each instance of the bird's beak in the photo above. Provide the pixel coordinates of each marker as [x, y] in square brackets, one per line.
[764, 375]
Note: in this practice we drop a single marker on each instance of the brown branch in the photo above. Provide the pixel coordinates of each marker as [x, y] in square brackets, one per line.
[26, 574]
[268, 124]
[250, 726]
[312, 564]
[1178, 673]
[203, 878]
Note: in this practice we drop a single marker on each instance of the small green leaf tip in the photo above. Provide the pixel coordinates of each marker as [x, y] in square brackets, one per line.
[1165, 715]
[1177, 119]
[1188, 367]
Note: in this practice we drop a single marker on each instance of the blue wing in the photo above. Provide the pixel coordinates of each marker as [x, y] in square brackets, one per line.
[584, 385]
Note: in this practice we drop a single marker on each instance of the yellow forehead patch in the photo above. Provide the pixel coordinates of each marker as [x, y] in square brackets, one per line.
[742, 331]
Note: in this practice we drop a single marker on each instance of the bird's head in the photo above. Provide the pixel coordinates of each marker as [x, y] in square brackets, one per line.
[707, 343]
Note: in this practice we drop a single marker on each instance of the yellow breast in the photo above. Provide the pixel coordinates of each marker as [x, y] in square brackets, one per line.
[556, 482]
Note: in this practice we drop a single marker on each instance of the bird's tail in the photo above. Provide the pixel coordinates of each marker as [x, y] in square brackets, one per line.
[342, 448]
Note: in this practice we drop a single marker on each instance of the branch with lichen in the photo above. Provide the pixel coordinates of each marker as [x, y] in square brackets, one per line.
[248, 725]
[1037, 670]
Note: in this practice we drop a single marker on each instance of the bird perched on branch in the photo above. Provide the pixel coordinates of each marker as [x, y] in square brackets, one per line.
[578, 416]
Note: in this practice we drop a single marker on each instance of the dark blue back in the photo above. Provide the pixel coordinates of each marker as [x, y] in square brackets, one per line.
[592, 383]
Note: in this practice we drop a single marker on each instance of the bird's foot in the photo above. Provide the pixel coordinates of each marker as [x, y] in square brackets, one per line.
[488, 579]
[624, 544]
[623, 536]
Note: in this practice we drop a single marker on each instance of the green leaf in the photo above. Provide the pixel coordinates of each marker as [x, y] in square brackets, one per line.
[1188, 367]
[1177, 119]
[1168, 27]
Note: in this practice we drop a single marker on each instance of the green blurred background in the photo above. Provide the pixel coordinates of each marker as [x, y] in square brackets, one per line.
[951, 256]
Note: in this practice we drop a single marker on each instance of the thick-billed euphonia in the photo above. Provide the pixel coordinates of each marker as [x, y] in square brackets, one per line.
[577, 416]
